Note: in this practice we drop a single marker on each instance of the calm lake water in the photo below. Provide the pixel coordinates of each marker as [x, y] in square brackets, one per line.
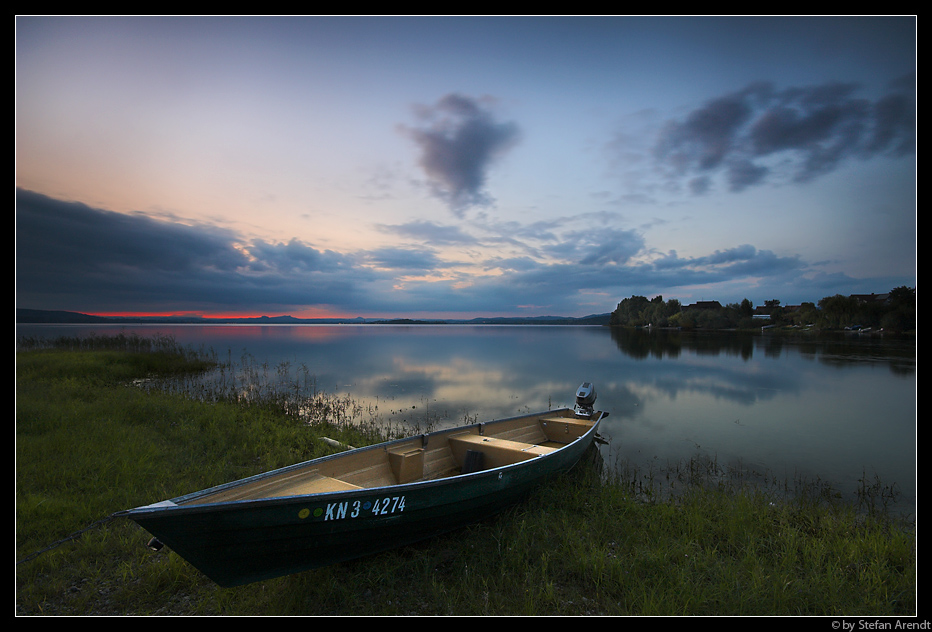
[835, 408]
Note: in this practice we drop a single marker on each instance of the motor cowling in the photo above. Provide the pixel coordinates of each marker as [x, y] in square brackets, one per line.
[585, 398]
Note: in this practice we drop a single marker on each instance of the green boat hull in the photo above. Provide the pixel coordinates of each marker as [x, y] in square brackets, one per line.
[240, 542]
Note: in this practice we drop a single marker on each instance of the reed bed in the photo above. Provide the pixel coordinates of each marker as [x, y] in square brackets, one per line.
[104, 425]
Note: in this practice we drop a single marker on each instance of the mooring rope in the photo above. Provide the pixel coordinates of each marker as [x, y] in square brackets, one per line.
[74, 536]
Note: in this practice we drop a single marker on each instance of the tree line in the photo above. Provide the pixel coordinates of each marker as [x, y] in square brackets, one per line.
[896, 312]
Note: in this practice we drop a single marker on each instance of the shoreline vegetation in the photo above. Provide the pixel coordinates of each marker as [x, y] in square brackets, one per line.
[893, 312]
[106, 423]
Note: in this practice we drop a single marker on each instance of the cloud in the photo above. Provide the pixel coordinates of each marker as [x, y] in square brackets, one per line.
[430, 232]
[707, 136]
[459, 140]
[74, 257]
[293, 256]
[58, 234]
[605, 246]
[749, 135]
[405, 259]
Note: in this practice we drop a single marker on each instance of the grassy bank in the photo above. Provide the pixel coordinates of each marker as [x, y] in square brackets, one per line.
[91, 442]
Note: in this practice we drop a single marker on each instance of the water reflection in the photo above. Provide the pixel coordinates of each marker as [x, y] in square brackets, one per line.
[827, 407]
[897, 352]
[644, 343]
[836, 407]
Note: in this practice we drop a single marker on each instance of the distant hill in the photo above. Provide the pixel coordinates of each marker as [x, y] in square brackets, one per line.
[45, 316]
[39, 316]
[594, 319]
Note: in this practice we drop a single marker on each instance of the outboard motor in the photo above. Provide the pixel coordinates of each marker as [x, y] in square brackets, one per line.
[585, 399]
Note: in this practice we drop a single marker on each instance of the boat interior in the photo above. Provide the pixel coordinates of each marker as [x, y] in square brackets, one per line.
[420, 458]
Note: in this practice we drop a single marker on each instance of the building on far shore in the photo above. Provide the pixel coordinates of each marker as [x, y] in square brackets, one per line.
[863, 299]
[703, 305]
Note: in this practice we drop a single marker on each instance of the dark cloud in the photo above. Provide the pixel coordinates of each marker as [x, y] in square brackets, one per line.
[707, 136]
[458, 140]
[894, 126]
[293, 257]
[59, 234]
[73, 257]
[814, 129]
[744, 173]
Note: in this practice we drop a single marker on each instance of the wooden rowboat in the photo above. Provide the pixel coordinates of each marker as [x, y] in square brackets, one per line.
[367, 500]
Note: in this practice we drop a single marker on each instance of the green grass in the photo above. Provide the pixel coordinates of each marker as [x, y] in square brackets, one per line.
[90, 442]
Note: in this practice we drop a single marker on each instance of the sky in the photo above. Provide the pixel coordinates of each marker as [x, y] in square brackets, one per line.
[460, 166]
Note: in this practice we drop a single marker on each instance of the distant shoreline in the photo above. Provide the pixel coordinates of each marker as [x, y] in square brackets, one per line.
[55, 317]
